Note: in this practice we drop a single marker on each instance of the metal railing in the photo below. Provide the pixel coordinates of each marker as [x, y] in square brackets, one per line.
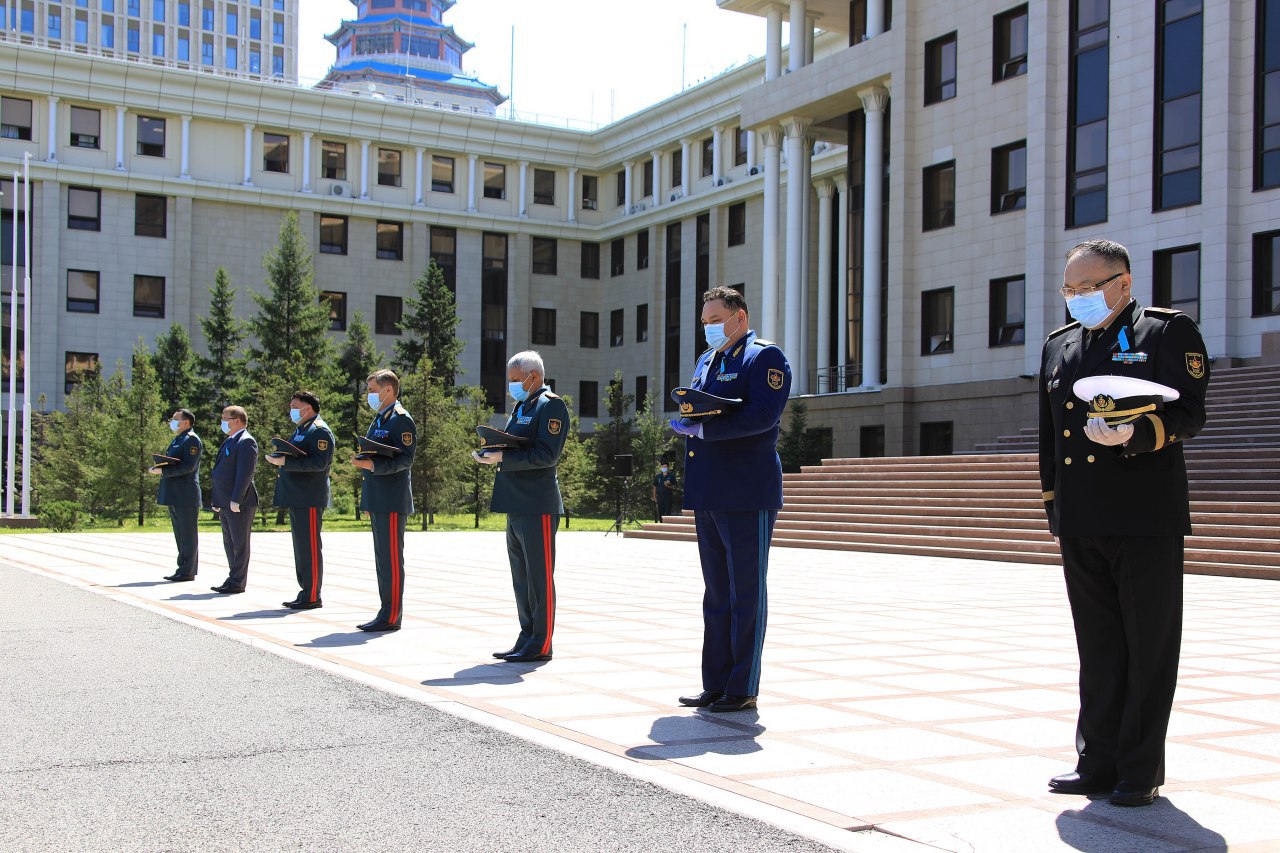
[835, 380]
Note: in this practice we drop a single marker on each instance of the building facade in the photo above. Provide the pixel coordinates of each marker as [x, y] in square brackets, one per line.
[926, 166]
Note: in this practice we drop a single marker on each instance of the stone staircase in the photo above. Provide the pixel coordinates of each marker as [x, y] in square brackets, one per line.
[987, 505]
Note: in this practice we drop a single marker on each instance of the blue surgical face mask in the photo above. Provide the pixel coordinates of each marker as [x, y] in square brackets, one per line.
[715, 334]
[295, 415]
[1090, 309]
[174, 425]
[226, 428]
[375, 402]
[517, 391]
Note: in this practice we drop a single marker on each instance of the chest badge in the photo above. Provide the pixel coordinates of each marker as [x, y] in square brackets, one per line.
[1195, 365]
[524, 419]
[775, 379]
[1129, 357]
[553, 426]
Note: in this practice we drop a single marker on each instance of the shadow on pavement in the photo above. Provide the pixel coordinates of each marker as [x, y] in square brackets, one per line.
[684, 736]
[1093, 833]
[147, 583]
[498, 672]
[257, 614]
[196, 596]
[349, 638]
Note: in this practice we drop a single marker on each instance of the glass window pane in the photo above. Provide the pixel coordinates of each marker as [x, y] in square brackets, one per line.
[1091, 146]
[1182, 159]
[1092, 12]
[1181, 122]
[1091, 86]
[1183, 57]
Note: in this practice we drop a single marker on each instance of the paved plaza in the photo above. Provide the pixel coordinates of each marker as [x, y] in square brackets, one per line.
[907, 703]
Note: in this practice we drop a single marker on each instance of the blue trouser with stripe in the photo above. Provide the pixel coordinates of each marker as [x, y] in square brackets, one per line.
[734, 548]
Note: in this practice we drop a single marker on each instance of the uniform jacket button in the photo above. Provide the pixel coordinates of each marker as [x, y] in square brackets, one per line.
[1091, 457]
[1066, 433]
[690, 452]
[1067, 460]
[1070, 405]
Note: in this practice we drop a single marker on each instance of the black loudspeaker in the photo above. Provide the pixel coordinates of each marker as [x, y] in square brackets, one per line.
[622, 465]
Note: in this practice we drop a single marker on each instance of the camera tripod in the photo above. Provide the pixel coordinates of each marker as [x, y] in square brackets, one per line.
[622, 502]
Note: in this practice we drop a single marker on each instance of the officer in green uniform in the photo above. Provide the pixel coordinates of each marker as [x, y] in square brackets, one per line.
[527, 490]
[387, 494]
[180, 491]
[303, 489]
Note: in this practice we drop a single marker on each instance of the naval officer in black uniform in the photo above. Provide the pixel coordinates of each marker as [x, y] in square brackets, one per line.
[527, 490]
[1117, 501]
[303, 488]
[387, 493]
[180, 492]
[733, 483]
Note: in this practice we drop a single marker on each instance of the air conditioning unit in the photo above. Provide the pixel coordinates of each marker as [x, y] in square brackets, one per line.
[755, 170]
[588, 204]
[340, 190]
[676, 196]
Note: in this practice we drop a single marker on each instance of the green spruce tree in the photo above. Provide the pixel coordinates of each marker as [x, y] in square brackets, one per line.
[140, 428]
[292, 322]
[221, 370]
[350, 415]
[474, 409]
[431, 328]
[795, 445]
[175, 366]
[443, 448]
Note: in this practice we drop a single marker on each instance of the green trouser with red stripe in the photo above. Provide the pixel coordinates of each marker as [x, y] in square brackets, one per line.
[388, 554]
[308, 557]
[531, 547]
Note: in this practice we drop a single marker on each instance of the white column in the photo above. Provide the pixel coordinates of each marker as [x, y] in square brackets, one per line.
[248, 155]
[824, 384]
[717, 150]
[120, 138]
[842, 278]
[768, 323]
[524, 183]
[686, 166]
[572, 202]
[53, 129]
[797, 280]
[364, 168]
[810, 35]
[875, 18]
[804, 176]
[628, 194]
[751, 150]
[657, 177]
[798, 40]
[874, 101]
[773, 44]
[419, 176]
[186, 149]
[471, 183]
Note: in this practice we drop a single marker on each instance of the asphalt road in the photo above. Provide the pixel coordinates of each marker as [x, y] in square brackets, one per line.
[123, 730]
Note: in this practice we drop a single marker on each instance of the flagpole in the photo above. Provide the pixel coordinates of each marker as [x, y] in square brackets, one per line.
[26, 334]
[12, 446]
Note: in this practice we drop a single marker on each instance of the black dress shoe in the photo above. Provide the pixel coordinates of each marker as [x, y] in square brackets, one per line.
[375, 627]
[179, 578]
[511, 651]
[701, 700]
[303, 605]
[228, 590]
[1077, 782]
[526, 657]
[1129, 794]
[732, 703]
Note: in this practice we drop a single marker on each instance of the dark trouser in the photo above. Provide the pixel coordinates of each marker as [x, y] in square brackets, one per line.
[734, 548]
[186, 531]
[388, 555]
[531, 547]
[308, 558]
[664, 503]
[236, 527]
[1126, 600]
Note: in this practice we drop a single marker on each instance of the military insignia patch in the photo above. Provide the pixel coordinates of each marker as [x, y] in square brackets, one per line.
[406, 438]
[1103, 403]
[775, 378]
[553, 426]
[194, 450]
[1195, 365]
[322, 444]
[686, 408]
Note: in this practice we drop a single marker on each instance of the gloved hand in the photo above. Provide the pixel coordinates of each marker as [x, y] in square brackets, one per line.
[491, 457]
[679, 426]
[1098, 431]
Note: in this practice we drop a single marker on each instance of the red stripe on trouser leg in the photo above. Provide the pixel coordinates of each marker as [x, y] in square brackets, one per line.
[551, 594]
[315, 558]
[395, 569]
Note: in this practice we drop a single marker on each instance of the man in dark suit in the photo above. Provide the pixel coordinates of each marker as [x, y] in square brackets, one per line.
[733, 483]
[527, 490]
[234, 495]
[387, 493]
[180, 492]
[303, 488]
[1116, 498]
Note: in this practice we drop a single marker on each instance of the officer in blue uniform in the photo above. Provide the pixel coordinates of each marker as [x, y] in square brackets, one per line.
[1116, 498]
[733, 483]
[664, 488]
[387, 493]
[527, 490]
[180, 491]
[303, 488]
[235, 496]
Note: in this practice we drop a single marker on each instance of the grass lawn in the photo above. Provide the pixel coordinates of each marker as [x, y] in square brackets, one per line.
[332, 523]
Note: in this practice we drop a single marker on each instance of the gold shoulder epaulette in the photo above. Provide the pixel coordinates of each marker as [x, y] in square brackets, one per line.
[400, 410]
[1169, 311]
[551, 395]
[761, 342]
[1073, 324]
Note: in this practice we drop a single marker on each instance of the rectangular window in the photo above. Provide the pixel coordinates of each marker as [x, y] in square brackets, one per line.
[673, 366]
[108, 34]
[1088, 96]
[184, 49]
[677, 168]
[588, 399]
[493, 319]
[591, 260]
[1008, 311]
[387, 312]
[150, 136]
[78, 366]
[333, 161]
[277, 32]
[1266, 274]
[642, 323]
[1010, 42]
[206, 53]
[390, 241]
[642, 249]
[388, 167]
[150, 216]
[708, 156]
[739, 146]
[1177, 280]
[275, 153]
[184, 13]
[544, 186]
[82, 30]
[1266, 87]
[642, 393]
[255, 27]
[84, 207]
[148, 296]
[1009, 177]
[1179, 65]
[495, 180]
[590, 192]
[617, 327]
[206, 18]
[337, 302]
[157, 45]
[333, 234]
[55, 26]
[871, 441]
[444, 251]
[85, 127]
[233, 22]
[15, 118]
[701, 274]
[621, 184]
[940, 196]
[937, 321]
[738, 224]
[940, 69]
[277, 65]
[82, 292]
[936, 439]
[157, 10]
[232, 57]
[589, 330]
[618, 257]
[441, 174]
[544, 256]
[646, 179]
[544, 327]
[133, 39]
